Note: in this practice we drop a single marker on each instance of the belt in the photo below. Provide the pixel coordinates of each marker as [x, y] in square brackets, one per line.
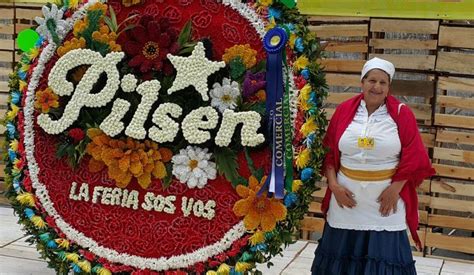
[362, 175]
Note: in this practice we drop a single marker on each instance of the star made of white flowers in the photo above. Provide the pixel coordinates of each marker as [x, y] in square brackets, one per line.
[194, 71]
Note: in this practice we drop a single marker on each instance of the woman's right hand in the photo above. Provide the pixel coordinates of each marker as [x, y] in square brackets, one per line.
[344, 197]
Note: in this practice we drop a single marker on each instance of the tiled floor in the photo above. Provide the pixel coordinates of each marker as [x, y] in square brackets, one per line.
[17, 257]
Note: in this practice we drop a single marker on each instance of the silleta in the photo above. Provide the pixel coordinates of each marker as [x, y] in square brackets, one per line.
[165, 128]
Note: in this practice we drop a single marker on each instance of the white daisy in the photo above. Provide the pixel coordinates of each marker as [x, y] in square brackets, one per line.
[225, 96]
[54, 18]
[192, 166]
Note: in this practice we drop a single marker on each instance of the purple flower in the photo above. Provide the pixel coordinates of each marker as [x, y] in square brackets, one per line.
[253, 83]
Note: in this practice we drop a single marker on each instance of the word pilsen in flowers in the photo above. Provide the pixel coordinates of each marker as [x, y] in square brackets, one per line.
[150, 201]
[165, 129]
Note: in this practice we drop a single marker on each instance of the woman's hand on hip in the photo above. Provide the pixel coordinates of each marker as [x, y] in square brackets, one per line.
[388, 200]
[344, 197]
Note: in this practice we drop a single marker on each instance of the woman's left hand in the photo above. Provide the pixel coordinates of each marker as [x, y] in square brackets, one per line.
[389, 198]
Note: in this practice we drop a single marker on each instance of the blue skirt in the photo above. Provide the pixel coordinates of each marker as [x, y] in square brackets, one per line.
[355, 252]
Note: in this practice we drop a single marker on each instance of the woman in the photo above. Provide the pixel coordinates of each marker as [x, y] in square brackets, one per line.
[376, 159]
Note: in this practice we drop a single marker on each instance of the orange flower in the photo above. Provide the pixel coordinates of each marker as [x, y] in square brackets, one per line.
[260, 211]
[245, 52]
[127, 158]
[71, 45]
[46, 99]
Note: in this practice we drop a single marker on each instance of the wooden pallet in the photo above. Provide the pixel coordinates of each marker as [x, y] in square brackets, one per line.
[345, 43]
[456, 54]
[383, 44]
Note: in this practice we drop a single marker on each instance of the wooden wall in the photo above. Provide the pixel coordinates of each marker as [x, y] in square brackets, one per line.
[435, 75]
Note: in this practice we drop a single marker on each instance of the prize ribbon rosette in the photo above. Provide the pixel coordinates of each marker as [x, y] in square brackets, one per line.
[165, 137]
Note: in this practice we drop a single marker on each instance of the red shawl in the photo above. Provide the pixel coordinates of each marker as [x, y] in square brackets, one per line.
[414, 163]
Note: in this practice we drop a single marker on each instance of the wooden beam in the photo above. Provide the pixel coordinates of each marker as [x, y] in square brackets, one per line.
[327, 31]
[452, 188]
[454, 121]
[6, 28]
[451, 222]
[454, 171]
[453, 154]
[428, 139]
[28, 14]
[456, 83]
[347, 47]
[455, 102]
[403, 44]
[455, 243]
[455, 137]
[457, 37]
[454, 62]
[409, 61]
[341, 65]
[404, 26]
[451, 204]
[344, 80]
[312, 224]
[421, 88]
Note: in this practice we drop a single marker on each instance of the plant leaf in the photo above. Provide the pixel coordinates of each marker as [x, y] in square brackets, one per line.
[226, 162]
[184, 34]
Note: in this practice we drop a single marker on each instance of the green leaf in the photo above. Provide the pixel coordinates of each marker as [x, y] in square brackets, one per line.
[237, 68]
[185, 34]
[61, 150]
[226, 161]
[113, 18]
[109, 23]
[261, 66]
[169, 176]
[186, 50]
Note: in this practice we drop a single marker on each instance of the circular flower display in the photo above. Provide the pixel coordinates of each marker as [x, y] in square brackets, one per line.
[147, 138]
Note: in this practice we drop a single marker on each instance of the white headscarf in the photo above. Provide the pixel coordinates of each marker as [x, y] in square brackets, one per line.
[378, 63]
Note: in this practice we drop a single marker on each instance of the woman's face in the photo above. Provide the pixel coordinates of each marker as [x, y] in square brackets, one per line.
[375, 87]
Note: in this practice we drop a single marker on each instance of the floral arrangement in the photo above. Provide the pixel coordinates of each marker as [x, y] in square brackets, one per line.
[138, 137]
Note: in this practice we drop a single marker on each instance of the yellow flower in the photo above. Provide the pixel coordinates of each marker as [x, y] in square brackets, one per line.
[26, 199]
[80, 26]
[99, 6]
[13, 112]
[242, 266]
[223, 269]
[38, 222]
[304, 105]
[259, 211]
[245, 52]
[265, 3]
[305, 93]
[104, 271]
[292, 40]
[85, 265]
[33, 53]
[46, 99]
[62, 243]
[302, 159]
[296, 185]
[23, 85]
[308, 127]
[211, 272]
[257, 237]
[271, 24]
[73, 257]
[14, 145]
[71, 45]
[301, 63]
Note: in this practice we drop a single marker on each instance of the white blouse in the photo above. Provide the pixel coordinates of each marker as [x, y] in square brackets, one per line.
[384, 154]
